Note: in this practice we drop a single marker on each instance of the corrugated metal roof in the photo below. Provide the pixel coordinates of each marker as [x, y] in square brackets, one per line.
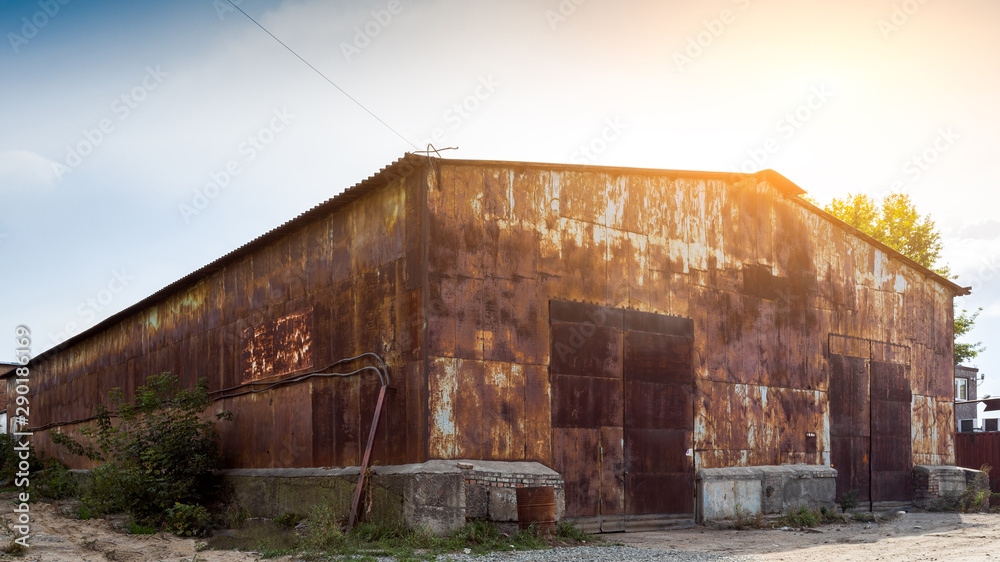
[409, 163]
[399, 168]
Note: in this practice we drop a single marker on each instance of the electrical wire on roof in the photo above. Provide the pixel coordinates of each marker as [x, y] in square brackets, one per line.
[316, 70]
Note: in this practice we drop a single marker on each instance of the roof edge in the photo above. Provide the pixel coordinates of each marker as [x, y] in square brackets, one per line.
[400, 168]
[409, 163]
[957, 289]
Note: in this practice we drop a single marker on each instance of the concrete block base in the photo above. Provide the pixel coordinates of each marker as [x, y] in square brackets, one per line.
[768, 490]
[940, 487]
[439, 496]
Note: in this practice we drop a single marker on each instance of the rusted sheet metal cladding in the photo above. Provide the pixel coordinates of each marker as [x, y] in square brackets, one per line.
[336, 286]
[764, 278]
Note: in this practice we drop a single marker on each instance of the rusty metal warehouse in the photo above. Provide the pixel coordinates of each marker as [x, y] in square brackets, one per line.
[624, 327]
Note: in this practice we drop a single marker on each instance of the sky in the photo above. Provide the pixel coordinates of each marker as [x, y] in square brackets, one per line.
[140, 141]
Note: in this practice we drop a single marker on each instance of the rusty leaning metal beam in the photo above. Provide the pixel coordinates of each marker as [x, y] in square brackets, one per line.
[368, 453]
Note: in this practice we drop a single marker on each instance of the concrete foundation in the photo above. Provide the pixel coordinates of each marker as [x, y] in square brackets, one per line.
[939, 487]
[768, 490]
[439, 496]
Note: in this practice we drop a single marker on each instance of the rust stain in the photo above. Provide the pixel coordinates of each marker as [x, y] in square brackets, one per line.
[278, 347]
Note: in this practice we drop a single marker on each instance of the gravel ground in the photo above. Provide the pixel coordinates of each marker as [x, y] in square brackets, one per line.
[600, 553]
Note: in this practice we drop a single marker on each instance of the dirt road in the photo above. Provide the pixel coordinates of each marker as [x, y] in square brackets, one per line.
[914, 536]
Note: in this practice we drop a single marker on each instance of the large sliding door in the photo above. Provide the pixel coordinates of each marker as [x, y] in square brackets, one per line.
[870, 416]
[622, 414]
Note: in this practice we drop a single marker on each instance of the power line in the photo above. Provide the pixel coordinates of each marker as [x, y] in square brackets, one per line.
[316, 70]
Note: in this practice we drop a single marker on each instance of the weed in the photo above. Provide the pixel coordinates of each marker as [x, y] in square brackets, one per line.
[15, 549]
[567, 530]
[828, 515]
[849, 500]
[82, 513]
[236, 517]
[187, 520]
[864, 517]
[288, 520]
[137, 529]
[976, 497]
[746, 519]
[803, 517]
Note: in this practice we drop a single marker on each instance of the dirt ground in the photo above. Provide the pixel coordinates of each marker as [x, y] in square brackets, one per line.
[915, 536]
[57, 538]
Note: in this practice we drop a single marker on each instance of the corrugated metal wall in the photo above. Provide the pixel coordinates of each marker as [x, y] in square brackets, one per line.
[765, 279]
[334, 287]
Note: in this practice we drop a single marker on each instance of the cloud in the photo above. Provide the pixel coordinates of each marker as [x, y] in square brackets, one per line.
[22, 169]
[982, 230]
[992, 310]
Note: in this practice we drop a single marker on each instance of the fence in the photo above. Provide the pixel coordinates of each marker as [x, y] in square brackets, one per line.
[973, 450]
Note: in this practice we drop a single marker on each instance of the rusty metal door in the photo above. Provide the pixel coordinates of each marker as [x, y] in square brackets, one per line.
[586, 369]
[850, 425]
[870, 441]
[891, 461]
[622, 413]
[659, 424]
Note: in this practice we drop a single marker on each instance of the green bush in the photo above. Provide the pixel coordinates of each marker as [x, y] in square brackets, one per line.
[160, 451]
[849, 500]
[55, 481]
[9, 459]
[188, 520]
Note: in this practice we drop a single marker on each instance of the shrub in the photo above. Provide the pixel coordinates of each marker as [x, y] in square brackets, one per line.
[55, 481]
[849, 500]
[9, 459]
[188, 520]
[976, 497]
[159, 452]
